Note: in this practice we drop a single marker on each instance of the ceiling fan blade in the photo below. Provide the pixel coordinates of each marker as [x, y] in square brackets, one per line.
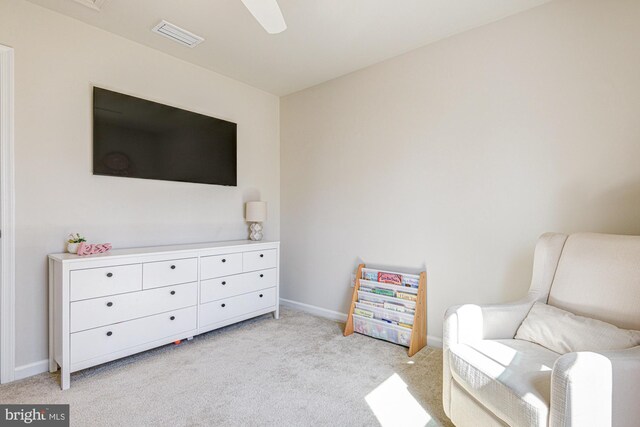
[268, 14]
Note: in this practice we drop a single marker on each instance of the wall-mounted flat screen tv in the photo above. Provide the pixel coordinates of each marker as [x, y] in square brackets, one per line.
[136, 138]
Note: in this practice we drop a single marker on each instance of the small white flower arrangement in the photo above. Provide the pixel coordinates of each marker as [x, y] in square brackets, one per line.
[74, 240]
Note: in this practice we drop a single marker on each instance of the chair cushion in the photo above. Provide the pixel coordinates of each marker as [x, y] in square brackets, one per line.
[598, 276]
[511, 378]
[565, 332]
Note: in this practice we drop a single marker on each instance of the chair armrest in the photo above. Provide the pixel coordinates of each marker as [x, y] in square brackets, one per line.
[596, 388]
[470, 322]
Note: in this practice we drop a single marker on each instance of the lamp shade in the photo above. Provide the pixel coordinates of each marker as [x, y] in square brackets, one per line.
[256, 212]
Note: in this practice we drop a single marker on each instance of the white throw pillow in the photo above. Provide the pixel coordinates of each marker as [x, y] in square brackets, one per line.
[565, 332]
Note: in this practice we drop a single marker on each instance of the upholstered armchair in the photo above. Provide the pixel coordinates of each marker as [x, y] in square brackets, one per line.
[490, 378]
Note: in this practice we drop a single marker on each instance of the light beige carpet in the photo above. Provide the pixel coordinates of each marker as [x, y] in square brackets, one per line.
[296, 371]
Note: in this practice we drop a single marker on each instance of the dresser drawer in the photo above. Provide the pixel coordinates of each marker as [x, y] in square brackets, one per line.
[163, 273]
[229, 308]
[103, 311]
[97, 282]
[220, 265]
[110, 339]
[228, 286]
[259, 260]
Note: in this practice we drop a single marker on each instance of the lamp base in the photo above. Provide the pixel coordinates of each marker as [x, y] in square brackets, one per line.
[256, 231]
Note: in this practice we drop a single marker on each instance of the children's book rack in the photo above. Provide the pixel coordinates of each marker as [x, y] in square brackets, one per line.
[391, 306]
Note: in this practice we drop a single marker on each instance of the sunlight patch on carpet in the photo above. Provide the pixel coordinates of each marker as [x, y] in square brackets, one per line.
[393, 405]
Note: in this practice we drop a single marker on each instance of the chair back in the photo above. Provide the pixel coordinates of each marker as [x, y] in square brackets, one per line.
[598, 276]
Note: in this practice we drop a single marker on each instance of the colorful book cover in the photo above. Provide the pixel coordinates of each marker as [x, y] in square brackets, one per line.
[372, 303]
[385, 292]
[363, 313]
[396, 307]
[412, 282]
[390, 278]
[370, 275]
[406, 296]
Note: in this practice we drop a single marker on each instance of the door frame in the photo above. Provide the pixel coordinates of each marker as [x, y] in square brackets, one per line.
[7, 217]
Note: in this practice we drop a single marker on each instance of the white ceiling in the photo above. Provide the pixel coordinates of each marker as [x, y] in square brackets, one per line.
[325, 38]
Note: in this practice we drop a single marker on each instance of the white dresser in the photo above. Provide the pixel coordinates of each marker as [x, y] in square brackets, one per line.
[112, 305]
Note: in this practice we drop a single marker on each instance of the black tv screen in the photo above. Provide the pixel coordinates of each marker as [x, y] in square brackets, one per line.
[136, 138]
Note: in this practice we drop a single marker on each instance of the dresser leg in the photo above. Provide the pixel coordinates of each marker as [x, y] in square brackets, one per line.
[65, 379]
[53, 366]
[276, 314]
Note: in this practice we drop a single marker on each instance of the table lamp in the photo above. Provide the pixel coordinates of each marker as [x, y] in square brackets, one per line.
[256, 212]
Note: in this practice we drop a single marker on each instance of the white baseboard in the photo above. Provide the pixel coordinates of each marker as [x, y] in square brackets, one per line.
[312, 309]
[434, 341]
[340, 317]
[30, 369]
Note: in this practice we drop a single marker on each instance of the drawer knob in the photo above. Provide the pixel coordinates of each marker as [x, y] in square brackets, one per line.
[109, 274]
[260, 295]
[224, 305]
[172, 318]
[224, 260]
[261, 255]
[224, 283]
[172, 292]
[173, 267]
[109, 333]
[109, 304]
[262, 275]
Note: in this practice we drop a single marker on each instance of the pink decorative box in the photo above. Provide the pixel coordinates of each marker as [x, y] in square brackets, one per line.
[85, 249]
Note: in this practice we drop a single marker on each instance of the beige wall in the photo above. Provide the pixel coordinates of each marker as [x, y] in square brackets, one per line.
[57, 59]
[456, 156]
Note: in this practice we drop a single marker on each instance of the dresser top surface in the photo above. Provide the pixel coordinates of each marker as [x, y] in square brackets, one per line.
[153, 250]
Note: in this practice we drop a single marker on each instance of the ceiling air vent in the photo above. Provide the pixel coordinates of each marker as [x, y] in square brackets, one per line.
[177, 34]
[93, 4]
